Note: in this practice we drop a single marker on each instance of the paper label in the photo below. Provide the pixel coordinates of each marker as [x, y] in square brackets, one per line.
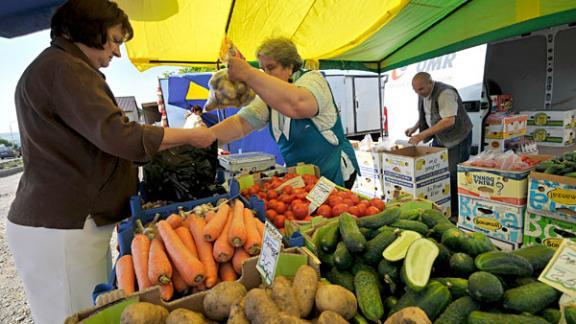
[560, 272]
[271, 247]
[318, 195]
[296, 182]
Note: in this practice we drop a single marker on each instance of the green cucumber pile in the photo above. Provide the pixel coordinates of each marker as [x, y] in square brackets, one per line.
[564, 165]
[401, 258]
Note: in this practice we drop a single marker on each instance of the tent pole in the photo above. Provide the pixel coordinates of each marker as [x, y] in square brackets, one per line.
[380, 101]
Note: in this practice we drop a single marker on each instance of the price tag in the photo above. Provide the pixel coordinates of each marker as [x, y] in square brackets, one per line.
[297, 182]
[271, 247]
[560, 272]
[318, 195]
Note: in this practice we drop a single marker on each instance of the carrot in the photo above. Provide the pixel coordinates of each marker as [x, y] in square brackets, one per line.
[253, 238]
[213, 228]
[186, 237]
[223, 250]
[166, 291]
[125, 274]
[180, 285]
[260, 227]
[240, 255]
[140, 249]
[237, 230]
[204, 249]
[189, 267]
[175, 220]
[159, 266]
[227, 272]
[210, 215]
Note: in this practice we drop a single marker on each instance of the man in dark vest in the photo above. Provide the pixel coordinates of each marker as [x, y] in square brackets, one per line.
[442, 117]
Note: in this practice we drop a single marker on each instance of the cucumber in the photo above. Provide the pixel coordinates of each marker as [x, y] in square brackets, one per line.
[432, 300]
[369, 300]
[418, 263]
[458, 287]
[327, 259]
[358, 319]
[570, 314]
[458, 311]
[386, 217]
[503, 263]
[341, 278]
[462, 264]
[476, 243]
[452, 239]
[396, 251]
[354, 240]
[530, 298]
[388, 269]
[412, 214]
[442, 262]
[538, 255]
[342, 257]
[517, 282]
[375, 247]
[552, 315]
[390, 302]
[372, 233]
[330, 238]
[411, 226]
[431, 217]
[478, 317]
[440, 228]
[485, 287]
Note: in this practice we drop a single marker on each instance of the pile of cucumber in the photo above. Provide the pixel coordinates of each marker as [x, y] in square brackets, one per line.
[413, 257]
[564, 165]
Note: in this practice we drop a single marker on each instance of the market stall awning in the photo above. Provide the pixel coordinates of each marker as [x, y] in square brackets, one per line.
[338, 33]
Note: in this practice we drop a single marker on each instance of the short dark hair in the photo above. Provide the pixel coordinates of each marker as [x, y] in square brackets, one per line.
[87, 22]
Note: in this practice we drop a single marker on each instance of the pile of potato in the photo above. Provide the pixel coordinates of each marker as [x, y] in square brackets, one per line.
[225, 93]
[287, 301]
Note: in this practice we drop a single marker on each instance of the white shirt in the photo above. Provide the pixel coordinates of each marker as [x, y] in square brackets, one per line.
[447, 105]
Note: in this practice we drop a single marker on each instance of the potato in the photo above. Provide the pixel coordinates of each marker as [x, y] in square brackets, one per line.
[259, 307]
[284, 296]
[219, 299]
[143, 313]
[185, 316]
[284, 318]
[338, 299]
[237, 315]
[305, 285]
[330, 317]
[412, 315]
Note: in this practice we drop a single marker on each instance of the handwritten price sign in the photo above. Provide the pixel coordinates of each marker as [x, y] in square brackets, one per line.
[560, 272]
[271, 247]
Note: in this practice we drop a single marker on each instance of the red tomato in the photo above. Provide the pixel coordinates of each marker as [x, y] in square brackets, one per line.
[279, 221]
[335, 200]
[288, 189]
[299, 190]
[354, 210]
[355, 199]
[339, 209]
[254, 190]
[324, 210]
[300, 211]
[301, 195]
[348, 202]
[378, 203]
[309, 187]
[280, 207]
[272, 194]
[285, 198]
[290, 176]
[343, 194]
[296, 201]
[272, 203]
[271, 214]
[371, 211]
[289, 215]
[362, 209]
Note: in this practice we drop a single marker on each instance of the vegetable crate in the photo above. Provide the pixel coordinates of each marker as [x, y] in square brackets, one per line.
[502, 126]
[249, 180]
[415, 164]
[288, 263]
[542, 229]
[553, 195]
[562, 119]
[550, 136]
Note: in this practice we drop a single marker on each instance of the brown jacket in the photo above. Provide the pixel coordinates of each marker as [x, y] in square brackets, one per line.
[77, 145]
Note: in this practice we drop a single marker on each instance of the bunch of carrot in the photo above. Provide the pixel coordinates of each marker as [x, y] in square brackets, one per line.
[188, 252]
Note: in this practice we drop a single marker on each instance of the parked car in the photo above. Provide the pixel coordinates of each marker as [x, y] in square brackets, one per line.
[8, 152]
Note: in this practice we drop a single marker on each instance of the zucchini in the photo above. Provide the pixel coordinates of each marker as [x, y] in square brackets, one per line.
[369, 300]
[354, 240]
[570, 314]
[458, 311]
[452, 239]
[411, 226]
[462, 264]
[431, 217]
[503, 263]
[476, 243]
[412, 214]
[330, 238]
[386, 217]
[432, 300]
[458, 287]
[538, 255]
[478, 317]
[552, 315]
[485, 287]
[530, 298]
[341, 278]
[375, 247]
[396, 251]
[342, 257]
[418, 263]
[440, 228]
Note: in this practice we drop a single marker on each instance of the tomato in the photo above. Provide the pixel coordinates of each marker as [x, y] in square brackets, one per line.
[343, 194]
[290, 176]
[309, 187]
[378, 203]
[371, 211]
[245, 193]
[348, 202]
[300, 211]
[299, 190]
[362, 209]
[272, 194]
[355, 199]
[271, 214]
[335, 200]
[339, 209]
[279, 221]
[280, 207]
[324, 210]
[301, 195]
[296, 201]
[262, 195]
[272, 203]
[285, 198]
[289, 215]
[288, 189]
[354, 210]
[254, 190]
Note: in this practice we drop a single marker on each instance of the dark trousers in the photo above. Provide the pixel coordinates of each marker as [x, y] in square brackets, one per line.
[458, 154]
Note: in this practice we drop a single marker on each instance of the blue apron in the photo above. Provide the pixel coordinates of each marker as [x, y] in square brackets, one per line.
[308, 145]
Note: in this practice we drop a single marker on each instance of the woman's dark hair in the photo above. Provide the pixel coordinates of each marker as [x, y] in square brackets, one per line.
[87, 22]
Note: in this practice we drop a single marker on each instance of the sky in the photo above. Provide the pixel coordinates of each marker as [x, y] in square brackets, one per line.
[18, 53]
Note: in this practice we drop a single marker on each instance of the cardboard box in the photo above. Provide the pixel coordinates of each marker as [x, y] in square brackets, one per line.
[433, 189]
[504, 126]
[542, 229]
[503, 245]
[502, 145]
[250, 278]
[369, 184]
[496, 220]
[553, 136]
[415, 163]
[561, 119]
[553, 195]
[501, 103]
[369, 162]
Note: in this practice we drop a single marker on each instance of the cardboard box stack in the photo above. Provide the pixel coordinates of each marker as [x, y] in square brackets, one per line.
[504, 131]
[370, 182]
[420, 171]
[551, 128]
